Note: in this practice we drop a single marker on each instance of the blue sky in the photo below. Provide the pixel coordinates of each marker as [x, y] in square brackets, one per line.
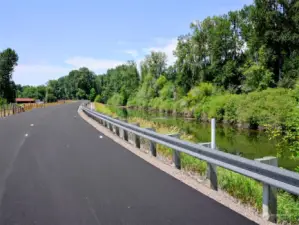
[53, 37]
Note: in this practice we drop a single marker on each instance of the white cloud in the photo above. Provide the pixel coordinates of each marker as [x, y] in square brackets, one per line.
[167, 48]
[40, 73]
[36, 74]
[133, 53]
[97, 65]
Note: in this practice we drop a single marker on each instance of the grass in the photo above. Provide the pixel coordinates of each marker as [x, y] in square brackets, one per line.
[247, 190]
[103, 109]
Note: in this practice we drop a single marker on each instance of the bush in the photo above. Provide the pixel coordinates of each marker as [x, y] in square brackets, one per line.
[215, 107]
[81, 94]
[155, 103]
[199, 93]
[132, 101]
[92, 94]
[116, 100]
[2, 101]
[257, 78]
[98, 99]
[231, 107]
[167, 91]
[181, 105]
[266, 107]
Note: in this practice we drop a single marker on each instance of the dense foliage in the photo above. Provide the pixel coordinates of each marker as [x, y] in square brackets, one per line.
[241, 67]
[8, 60]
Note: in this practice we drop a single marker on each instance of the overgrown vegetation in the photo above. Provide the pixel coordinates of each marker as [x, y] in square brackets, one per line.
[245, 189]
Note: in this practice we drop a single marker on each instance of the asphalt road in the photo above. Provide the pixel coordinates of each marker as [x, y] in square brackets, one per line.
[55, 170]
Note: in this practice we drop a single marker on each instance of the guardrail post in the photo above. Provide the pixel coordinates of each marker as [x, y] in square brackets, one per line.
[104, 123]
[152, 146]
[136, 138]
[115, 128]
[211, 168]
[176, 155]
[269, 193]
[110, 127]
[123, 134]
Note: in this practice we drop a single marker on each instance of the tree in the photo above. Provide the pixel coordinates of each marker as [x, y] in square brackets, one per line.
[155, 63]
[98, 99]
[81, 94]
[50, 96]
[29, 92]
[92, 94]
[276, 25]
[8, 60]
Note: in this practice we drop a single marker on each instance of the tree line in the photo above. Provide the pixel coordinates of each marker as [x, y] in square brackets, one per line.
[241, 67]
[247, 50]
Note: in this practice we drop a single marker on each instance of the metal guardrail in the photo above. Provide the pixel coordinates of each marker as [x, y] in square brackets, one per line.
[270, 176]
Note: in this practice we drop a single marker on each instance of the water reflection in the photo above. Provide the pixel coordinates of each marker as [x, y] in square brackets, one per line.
[246, 143]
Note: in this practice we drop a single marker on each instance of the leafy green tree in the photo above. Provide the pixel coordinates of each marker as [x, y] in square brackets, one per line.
[50, 96]
[98, 99]
[123, 79]
[81, 94]
[276, 25]
[155, 64]
[92, 94]
[8, 60]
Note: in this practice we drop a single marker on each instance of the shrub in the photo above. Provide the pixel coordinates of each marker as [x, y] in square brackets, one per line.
[181, 105]
[257, 78]
[215, 107]
[92, 94]
[167, 91]
[2, 101]
[116, 100]
[266, 107]
[132, 101]
[98, 98]
[199, 93]
[160, 82]
[230, 108]
[155, 103]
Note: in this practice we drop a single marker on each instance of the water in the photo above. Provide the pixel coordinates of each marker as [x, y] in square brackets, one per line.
[246, 143]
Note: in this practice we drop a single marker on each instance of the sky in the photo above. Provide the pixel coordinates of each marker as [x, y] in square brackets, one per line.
[52, 37]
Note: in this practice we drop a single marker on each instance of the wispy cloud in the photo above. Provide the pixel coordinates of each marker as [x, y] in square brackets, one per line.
[97, 65]
[168, 48]
[40, 73]
[133, 53]
[121, 42]
[36, 74]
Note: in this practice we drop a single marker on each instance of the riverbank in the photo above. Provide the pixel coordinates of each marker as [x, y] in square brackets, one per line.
[190, 115]
[247, 143]
[245, 189]
[254, 110]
